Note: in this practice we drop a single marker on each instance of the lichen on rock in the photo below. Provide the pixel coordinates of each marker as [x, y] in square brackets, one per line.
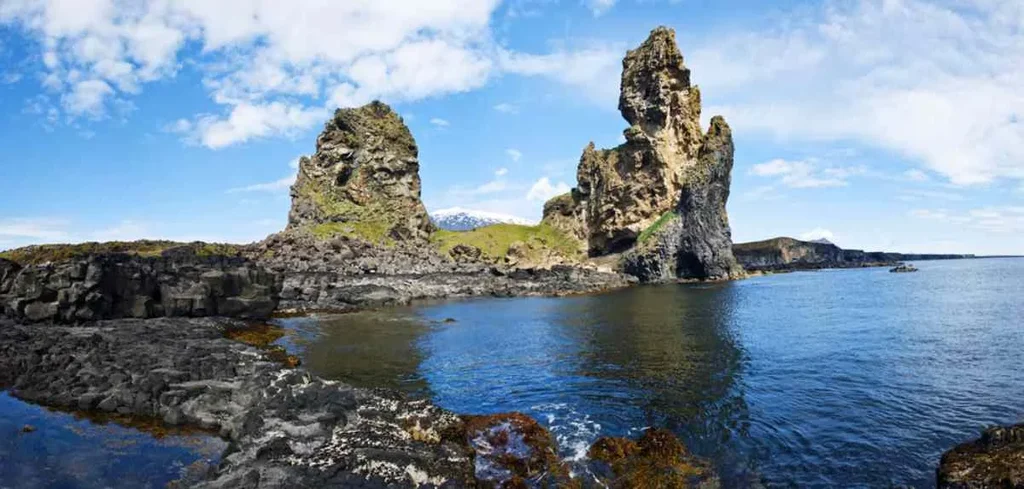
[667, 165]
[363, 181]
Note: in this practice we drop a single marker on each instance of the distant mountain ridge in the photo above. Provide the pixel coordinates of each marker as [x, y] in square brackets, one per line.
[460, 219]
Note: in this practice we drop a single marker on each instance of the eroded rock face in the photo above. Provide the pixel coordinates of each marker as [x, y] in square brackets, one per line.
[666, 166]
[994, 460]
[695, 240]
[122, 286]
[363, 181]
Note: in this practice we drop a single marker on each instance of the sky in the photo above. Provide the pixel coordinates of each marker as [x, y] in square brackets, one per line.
[891, 125]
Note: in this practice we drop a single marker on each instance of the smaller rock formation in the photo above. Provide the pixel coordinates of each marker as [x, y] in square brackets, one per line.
[363, 181]
[903, 268]
[783, 254]
[658, 459]
[994, 460]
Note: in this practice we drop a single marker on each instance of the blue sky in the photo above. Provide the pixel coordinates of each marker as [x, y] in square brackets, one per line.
[881, 124]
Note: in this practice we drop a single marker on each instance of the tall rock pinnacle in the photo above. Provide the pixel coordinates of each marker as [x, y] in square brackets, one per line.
[363, 181]
[661, 195]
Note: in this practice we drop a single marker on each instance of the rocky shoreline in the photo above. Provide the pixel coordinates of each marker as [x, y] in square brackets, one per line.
[140, 330]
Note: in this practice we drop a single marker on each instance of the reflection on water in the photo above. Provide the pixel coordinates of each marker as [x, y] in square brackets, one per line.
[64, 451]
[855, 378]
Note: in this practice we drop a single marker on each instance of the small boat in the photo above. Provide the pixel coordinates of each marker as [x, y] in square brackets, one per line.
[903, 268]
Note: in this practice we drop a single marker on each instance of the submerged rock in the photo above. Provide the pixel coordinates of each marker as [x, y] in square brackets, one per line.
[996, 460]
[667, 185]
[513, 450]
[903, 268]
[657, 460]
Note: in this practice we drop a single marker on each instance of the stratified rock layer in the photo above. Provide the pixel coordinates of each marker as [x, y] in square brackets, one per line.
[120, 285]
[363, 181]
[668, 183]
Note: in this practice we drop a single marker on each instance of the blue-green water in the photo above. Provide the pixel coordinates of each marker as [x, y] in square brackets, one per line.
[65, 451]
[852, 378]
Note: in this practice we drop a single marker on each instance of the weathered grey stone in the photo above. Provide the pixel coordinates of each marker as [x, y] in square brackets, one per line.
[118, 285]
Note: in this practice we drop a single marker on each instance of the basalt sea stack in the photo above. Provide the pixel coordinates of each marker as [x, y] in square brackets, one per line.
[363, 179]
[659, 197]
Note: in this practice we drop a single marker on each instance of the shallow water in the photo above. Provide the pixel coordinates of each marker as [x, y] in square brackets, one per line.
[852, 378]
[65, 451]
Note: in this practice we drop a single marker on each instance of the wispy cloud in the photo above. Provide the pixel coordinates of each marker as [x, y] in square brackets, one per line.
[507, 108]
[439, 122]
[542, 190]
[514, 154]
[806, 173]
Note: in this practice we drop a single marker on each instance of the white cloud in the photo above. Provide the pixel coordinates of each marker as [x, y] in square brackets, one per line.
[542, 190]
[916, 175]
[599, 7]
[500, 172]
[933, 81]
[247, 121]
[507, 108]
[439, 122]
[818, 233]
[994, 219]
[916, 195]
[593, 71]
[276, 186]
[41, 229]
[274, 68]
[514, 154]
[805, 174]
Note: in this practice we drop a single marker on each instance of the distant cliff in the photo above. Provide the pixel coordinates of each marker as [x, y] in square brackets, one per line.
[660, 196]
[792, 254]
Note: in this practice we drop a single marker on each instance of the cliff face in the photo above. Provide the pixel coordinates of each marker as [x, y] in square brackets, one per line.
[668, 183]
[792, 254]
[363, 181]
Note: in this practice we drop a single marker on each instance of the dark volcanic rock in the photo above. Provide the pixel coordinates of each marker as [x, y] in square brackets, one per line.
[696, 241]
[666, 185]
[339, 292]
[996, 460]
[120, 285]
[286, 428]
[781, 254]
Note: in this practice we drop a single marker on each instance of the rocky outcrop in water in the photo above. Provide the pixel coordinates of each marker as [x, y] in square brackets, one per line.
[669, 181]
[121, 286]
[782, 254]
[996, 460]
[363, 181]
[285, 427]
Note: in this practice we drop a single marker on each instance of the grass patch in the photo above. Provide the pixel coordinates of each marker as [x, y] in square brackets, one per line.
[494, 241]
[657, 225]
[36, 254]
[375, 232]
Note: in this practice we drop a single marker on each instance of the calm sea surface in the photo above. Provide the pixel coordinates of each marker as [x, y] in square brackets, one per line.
[852, 378]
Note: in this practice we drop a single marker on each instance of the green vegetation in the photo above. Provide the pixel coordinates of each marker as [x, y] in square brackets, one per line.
[371, 222]
[653, 228]
[494, 241]
[36, 254]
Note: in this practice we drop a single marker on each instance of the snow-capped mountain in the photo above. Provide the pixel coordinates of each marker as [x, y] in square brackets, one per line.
[459, 219]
